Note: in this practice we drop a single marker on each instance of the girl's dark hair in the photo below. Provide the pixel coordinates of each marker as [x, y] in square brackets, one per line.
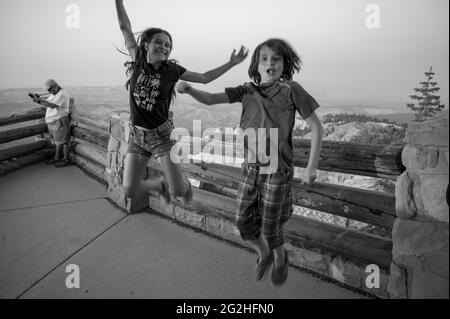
[292, 62]
[141, 54]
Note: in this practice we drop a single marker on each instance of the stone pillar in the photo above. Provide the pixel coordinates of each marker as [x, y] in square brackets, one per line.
[119, 130]
[420, 234]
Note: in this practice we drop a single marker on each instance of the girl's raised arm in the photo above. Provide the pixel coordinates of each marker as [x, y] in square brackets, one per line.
[215, 73]
[125, 27]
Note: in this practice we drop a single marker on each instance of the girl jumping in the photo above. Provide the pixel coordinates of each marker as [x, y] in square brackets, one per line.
[152, 88]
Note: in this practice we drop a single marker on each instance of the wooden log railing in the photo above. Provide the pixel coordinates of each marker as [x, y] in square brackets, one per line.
[91, 159]
[306, 232]
[381, 161]
[37, 113]
[19, 150]
[352, 158]
[98, 138]
[89, 144]
[19, 133]
[375, 208]
[215, 200]
[371, 207]
[25, 153]
[215, 197]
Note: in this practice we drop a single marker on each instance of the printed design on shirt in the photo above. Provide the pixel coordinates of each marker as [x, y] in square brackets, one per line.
[146, 90]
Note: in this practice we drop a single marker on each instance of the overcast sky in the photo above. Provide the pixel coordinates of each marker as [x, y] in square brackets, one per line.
[342, 57]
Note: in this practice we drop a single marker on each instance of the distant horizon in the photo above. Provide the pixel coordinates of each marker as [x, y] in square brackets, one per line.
[328, 102]
[352, 50]
[120, 97]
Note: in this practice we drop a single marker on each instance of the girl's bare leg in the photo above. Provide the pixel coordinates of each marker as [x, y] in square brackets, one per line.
[134, 183]
[178, 185]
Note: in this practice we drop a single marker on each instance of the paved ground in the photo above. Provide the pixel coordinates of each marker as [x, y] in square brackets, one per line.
[51, 218]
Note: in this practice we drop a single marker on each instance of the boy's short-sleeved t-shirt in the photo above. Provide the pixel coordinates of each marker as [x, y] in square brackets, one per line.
[271, 106]
[150, 93]
[62, 99]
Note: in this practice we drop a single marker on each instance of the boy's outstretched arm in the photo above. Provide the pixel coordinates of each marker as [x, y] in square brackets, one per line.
[309, 174]
[215, 73]
[125, 27]
[202, 96]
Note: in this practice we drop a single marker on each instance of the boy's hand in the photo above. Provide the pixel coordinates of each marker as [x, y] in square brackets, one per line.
[37, 100]
[308, 176]
[183, 87]
[238, 58]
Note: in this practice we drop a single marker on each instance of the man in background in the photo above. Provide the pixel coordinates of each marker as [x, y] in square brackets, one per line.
[57, 120]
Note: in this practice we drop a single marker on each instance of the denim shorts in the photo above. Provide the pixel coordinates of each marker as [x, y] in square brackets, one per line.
[152, 142]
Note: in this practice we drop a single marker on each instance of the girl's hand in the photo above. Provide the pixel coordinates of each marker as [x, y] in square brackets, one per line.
[183, 87]
[308, 176]
[238, 58]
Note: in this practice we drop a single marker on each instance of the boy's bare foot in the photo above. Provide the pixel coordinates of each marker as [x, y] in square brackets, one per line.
[280, 272]
[262, 265]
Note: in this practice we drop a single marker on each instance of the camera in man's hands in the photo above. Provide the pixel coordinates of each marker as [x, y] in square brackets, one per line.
[33, 95]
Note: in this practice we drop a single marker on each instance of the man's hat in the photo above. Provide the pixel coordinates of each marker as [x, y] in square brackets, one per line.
[48, 84]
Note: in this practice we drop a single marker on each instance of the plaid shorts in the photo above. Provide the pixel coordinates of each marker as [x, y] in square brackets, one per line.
[264, 204]
[59, 130]
[150, 142]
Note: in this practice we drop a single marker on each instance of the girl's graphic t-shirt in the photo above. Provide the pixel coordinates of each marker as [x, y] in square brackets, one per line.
[150, 93]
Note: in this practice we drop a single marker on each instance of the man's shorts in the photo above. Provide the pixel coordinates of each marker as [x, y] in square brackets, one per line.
[152, 142]
[59, 130]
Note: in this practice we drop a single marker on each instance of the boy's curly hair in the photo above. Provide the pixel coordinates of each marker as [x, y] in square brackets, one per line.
[292, 62]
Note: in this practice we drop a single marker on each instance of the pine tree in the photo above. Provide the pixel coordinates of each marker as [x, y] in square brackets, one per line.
[428, 102]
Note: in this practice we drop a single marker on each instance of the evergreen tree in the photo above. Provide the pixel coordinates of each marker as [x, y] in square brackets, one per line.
[428, 102]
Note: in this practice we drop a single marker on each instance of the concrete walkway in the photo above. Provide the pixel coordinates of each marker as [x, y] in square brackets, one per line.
[51, 218]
